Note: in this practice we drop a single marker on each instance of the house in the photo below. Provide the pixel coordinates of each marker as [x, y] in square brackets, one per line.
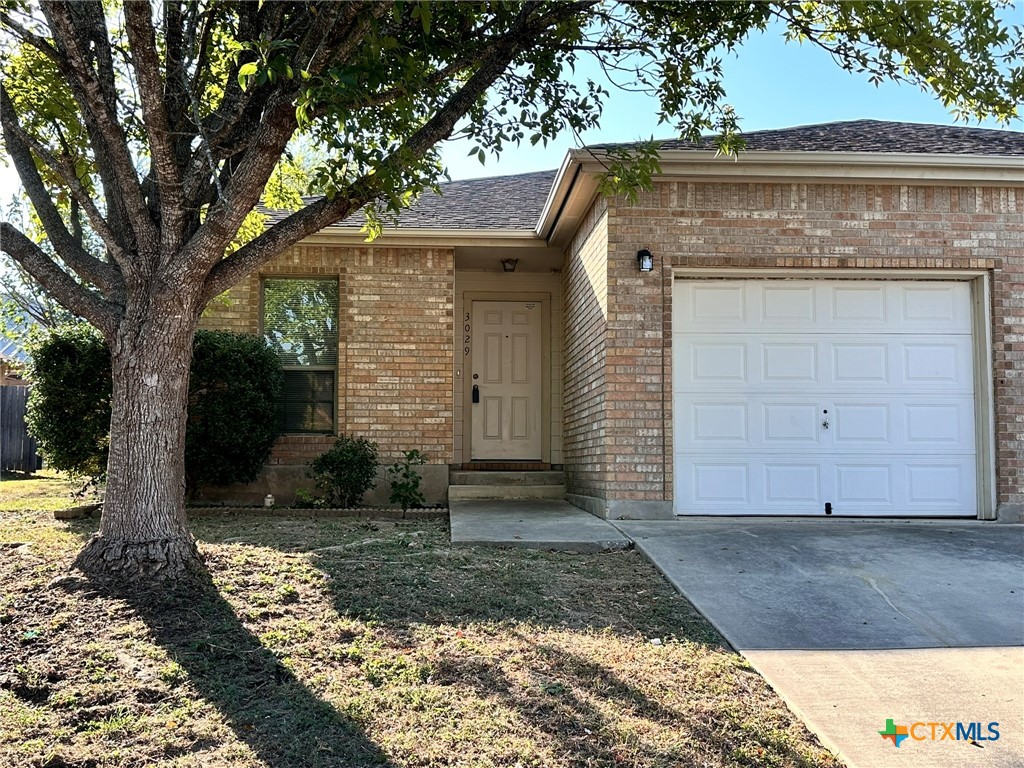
[829, 324]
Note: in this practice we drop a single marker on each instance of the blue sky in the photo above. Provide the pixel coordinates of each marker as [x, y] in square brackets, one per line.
[770, 83]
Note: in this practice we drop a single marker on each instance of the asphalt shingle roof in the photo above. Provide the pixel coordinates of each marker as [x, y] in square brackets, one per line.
[876, 136]
[499, 202]
[515, 202]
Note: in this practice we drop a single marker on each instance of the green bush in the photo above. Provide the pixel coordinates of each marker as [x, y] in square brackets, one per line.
[232, 412]
[405, 480]
[234, 390]
[346, 471]
[69, 405]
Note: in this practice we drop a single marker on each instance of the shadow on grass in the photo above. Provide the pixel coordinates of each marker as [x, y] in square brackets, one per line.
[582, 708]
[266, 705]
[566, 703]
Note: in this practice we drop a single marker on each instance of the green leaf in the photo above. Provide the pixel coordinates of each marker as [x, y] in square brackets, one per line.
[245, 73]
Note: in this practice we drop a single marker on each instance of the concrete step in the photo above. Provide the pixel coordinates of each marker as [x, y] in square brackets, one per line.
[470, 492]
[461, 477]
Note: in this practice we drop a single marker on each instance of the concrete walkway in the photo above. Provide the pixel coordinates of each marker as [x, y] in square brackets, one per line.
[532, 524]
[855, 622]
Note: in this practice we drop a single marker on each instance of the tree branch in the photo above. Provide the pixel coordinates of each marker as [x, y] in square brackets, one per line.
[146, 63]
[57, 282]
[100, 112]
[103, 276]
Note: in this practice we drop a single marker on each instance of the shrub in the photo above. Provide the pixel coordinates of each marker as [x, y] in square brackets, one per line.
[233, 395]
[346, 471]
[232, 412]
[69, 405]
[405, 481]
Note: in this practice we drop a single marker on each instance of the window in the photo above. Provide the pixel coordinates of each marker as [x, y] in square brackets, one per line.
[300, 322]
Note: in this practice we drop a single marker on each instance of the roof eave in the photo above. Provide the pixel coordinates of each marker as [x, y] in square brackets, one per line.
[568, 201]
[883, 166]
[426, 237]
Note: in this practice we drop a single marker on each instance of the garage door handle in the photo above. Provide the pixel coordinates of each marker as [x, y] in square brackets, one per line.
[825, 423]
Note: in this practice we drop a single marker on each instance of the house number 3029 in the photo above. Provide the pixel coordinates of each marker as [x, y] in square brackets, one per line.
[466, 339]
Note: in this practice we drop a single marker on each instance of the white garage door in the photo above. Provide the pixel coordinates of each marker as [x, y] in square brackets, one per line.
[793, 395]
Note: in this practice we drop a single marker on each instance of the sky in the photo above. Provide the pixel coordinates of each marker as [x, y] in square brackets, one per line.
[769, 83]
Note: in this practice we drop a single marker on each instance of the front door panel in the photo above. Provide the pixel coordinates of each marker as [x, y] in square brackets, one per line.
[507, 370]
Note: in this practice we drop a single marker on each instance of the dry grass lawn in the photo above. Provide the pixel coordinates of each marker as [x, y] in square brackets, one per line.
[346, 643]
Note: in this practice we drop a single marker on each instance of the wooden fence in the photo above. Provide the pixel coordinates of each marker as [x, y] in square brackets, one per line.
[18, 451]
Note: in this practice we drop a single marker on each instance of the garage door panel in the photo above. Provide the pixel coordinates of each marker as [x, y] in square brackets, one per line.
[940, 365]
[838, 306]
[859, 363]
[786, 423]
[788, 483]
[710, 424]
[887, 485]
[857, 304]
[814, 361]
[711, 362]
[787, 362]
[719, 483]
[784, 303]
[880, 485]
[911, 425]
[790, 394]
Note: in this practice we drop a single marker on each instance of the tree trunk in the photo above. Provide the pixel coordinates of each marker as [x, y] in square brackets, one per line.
[143, 532]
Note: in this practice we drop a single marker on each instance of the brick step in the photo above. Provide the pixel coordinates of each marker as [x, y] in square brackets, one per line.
[481, 492]
[463, 477]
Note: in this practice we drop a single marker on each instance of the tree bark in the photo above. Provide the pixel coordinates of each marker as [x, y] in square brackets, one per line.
[143, 532]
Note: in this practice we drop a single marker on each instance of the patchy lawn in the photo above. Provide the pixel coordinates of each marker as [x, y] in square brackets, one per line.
[43, 491]
[346, 643]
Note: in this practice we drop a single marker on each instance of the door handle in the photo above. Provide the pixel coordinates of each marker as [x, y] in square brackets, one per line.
[476, 393]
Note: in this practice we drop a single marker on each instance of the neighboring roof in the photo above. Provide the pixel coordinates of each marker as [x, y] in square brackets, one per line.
[874, 136]
[10, 349]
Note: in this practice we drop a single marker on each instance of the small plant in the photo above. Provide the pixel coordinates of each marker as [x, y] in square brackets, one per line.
[346, 471]
[405, 481]
[306, 499]
[287, 594]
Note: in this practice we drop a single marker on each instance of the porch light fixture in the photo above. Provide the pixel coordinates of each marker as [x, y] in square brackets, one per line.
[645, 260]
[509, 265]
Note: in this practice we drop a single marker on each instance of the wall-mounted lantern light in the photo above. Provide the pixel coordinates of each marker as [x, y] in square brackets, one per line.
[645, 260]
[509, 265]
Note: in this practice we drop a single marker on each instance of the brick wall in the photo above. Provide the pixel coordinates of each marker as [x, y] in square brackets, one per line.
[802, 225]
[585, 312]
[1008, 360]
[394, 380]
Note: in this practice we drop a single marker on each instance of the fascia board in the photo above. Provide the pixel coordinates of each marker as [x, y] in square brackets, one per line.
[881, 166]
[423, 237]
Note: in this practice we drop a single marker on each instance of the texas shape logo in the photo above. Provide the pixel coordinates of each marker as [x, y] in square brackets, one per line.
[894, 733]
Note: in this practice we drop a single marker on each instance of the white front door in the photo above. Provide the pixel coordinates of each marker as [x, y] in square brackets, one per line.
[793, 397]
[506, 375]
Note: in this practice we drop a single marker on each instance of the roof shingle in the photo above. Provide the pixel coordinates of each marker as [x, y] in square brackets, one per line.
[875, 136]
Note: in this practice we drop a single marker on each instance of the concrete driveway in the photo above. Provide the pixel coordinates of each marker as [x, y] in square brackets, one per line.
[856, 622]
